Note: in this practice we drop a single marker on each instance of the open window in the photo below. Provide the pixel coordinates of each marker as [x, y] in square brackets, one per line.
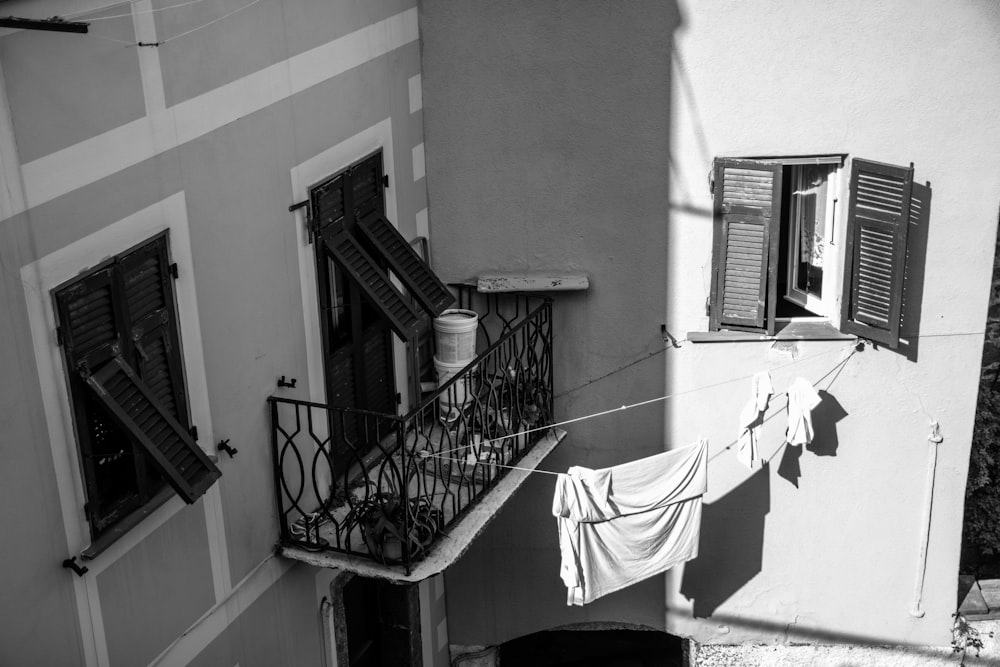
[357, 249]
[119, 332]
[781, 251]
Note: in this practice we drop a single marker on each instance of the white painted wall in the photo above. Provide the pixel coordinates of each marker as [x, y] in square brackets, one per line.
[545, 149]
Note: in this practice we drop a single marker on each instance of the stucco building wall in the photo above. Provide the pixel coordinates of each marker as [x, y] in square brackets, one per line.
[546, 150]
[104, 145]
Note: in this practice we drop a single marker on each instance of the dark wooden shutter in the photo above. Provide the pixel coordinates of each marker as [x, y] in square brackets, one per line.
[91, 336]
[89, 328]
[149, 301]
[137, 410]
[422, 282]
[875, 257]
[365, 192]
[745, 250]
[328, 202]
[373, 281]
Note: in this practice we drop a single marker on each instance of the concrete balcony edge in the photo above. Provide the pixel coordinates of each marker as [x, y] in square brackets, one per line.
[450, 547]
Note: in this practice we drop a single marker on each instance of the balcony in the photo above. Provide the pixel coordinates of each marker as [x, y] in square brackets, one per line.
[403, 496]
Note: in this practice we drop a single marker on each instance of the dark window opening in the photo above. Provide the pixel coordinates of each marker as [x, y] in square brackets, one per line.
[383, 623]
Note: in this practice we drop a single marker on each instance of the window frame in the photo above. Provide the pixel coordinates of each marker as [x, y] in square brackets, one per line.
[162, 364]
[740, 186]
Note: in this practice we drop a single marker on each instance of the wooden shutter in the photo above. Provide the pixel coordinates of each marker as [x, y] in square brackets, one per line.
[875, 257]
[404, 261]
[88, 325]
[373, 281]
[137, 410]
[366, 188]
[149, 301]
[328, 202]
[745, 249]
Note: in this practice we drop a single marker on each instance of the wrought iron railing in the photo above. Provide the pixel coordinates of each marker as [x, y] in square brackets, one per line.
[385, 486]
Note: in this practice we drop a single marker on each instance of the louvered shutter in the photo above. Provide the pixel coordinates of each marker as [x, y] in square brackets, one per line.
[364, 194]
[149, 301]
[91, 336]
[419, 279]
[137, 410]
[875, 257]
[373, 282]
[328, 202]
[747, 220]
[87, 319]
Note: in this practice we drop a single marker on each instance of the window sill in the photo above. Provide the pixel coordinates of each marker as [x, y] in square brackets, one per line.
[119, 530]
[792, 330]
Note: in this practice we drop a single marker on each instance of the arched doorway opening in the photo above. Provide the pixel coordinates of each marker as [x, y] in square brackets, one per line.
[587, 646]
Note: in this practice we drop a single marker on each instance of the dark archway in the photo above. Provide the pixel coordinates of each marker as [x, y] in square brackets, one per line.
[594, 648]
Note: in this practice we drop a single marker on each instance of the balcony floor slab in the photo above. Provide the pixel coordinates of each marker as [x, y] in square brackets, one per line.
[449, 547]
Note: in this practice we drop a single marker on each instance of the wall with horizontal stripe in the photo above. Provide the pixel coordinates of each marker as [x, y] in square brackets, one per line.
[241, 103]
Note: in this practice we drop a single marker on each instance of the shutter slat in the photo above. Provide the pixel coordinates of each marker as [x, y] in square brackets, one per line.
[877, 221]
[132, 403]
[362, 269]
[413, 271]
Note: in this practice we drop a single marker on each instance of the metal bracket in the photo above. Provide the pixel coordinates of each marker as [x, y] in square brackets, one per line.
[286, 383]
[224, 446]
[70, 563]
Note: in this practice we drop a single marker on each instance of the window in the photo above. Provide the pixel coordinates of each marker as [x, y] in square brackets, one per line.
[119, 333]
[777, 254]
[356, 248]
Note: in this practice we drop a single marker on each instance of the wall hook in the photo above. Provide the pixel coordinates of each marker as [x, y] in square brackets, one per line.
[224, 446]
[289, 383]
[71, 564]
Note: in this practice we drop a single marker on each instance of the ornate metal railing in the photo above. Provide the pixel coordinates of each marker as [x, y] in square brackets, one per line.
[386, 486]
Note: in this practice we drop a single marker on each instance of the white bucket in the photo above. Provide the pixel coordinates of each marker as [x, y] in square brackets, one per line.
[460, 392]
[455, 336]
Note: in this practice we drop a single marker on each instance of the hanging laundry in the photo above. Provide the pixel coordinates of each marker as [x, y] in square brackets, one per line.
[802, 398]
[620, 525]
[751, 418]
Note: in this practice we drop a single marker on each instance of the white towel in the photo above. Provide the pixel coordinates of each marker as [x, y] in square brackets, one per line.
[751, 418]
[620, 525]
[802, 398]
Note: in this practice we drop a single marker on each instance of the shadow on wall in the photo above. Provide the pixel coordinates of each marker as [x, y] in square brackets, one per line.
[732, 541]
[825, 417]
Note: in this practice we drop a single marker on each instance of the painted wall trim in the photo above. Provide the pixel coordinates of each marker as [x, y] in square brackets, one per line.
[214, 622]
[38, 279]
[84, 163]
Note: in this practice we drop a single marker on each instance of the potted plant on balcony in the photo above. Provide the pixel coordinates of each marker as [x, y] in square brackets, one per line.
[392, 527]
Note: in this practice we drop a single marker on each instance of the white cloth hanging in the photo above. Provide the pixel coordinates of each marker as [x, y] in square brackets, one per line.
[751, 418]
[802, 398]
[620, 525]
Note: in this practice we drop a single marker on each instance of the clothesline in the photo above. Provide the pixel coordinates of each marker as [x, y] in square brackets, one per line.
[482, 443]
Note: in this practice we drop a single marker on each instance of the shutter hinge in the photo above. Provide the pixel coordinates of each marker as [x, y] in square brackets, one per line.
[399, 398]
[86, 511]
[385, 181]
[173, 271]
[60, 337]
[194, 432]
